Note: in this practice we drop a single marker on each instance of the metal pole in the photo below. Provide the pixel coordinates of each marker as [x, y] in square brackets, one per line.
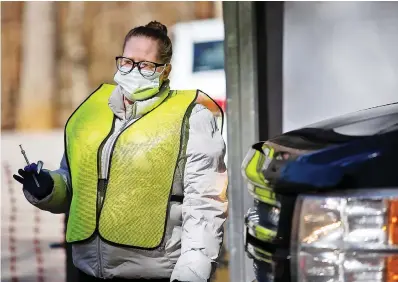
[242, 123]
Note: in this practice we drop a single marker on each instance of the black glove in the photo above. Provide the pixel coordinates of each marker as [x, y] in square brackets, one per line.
[43, 178]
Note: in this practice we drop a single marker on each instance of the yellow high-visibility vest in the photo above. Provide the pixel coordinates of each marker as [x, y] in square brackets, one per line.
[142, 166]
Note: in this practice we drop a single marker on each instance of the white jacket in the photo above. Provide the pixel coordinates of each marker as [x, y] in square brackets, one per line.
[194, 231]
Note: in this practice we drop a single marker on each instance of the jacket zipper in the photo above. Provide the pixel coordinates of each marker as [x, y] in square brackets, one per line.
[108, 149]
[99, 191]
[103, 175]
[103, 172]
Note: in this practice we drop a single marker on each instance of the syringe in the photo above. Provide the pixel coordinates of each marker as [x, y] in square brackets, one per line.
[27, 162]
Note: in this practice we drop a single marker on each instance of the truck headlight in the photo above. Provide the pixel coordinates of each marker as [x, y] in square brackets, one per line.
[346, 237]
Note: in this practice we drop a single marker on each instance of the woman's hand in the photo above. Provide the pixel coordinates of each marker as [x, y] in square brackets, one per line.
[44, 179]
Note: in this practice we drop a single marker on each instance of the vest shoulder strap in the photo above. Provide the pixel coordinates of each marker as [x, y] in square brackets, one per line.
[205, 100]
[105, 89]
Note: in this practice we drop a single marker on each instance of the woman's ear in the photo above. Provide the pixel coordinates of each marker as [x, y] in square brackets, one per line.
[166, 72]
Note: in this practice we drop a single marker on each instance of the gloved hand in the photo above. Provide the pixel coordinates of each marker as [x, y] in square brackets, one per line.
[25, 177]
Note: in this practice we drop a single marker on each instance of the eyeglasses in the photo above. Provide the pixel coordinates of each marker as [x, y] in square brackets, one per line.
[146, 68]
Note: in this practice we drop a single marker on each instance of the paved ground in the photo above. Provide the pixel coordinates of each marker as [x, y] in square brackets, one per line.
[26, 232]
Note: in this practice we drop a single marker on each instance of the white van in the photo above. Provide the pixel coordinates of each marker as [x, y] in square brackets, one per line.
[198, 59]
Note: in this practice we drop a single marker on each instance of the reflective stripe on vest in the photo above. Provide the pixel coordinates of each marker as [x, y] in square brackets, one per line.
[142, 167]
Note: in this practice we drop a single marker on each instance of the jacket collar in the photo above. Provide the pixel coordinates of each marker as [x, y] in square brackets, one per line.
[126, 111]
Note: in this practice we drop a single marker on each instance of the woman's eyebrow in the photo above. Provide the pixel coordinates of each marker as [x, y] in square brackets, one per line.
[140, 59]
[128, 57]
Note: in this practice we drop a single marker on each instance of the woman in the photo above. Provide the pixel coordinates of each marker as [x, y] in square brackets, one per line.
[143, 175]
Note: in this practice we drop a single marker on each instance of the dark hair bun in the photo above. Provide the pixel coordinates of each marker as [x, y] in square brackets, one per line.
[157, 26]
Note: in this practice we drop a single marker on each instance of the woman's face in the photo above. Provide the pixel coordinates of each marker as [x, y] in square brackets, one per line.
[140, 48]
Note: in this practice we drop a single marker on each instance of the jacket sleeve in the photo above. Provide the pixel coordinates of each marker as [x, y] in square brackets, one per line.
[204, 209]
[59, 199]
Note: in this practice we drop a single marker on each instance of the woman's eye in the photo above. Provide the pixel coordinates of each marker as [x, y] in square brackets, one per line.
[126, 63]
[147, 66]
[144, 65]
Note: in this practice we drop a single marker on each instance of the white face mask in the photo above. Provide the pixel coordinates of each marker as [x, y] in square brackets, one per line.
[138, 87]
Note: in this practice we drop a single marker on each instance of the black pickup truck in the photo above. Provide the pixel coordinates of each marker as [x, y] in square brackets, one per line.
[326, 201]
